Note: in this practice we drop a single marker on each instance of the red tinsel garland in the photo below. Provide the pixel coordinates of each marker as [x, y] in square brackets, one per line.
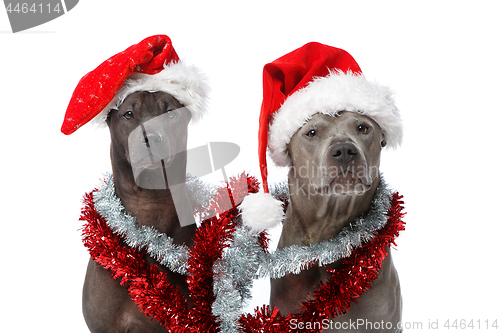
[346, 284]
[148, 286]
[156, 297]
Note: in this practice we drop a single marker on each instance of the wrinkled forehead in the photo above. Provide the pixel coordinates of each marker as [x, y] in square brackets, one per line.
[339, 120]
[158, 100]
[341, 117]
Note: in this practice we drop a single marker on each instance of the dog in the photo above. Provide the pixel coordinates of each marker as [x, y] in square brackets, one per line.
[336, 159]
[107, 306]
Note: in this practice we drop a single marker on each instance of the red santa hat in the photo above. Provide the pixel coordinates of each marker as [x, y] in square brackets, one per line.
[151, 65]
[315, 78]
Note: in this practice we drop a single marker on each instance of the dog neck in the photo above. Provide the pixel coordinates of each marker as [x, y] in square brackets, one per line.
[154, 207]
[311, 219]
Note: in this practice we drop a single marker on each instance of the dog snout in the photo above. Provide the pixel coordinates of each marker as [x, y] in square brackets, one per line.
[343, 153]
[152, 139]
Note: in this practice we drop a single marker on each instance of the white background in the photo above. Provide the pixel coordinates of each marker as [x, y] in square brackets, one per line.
[441, 58]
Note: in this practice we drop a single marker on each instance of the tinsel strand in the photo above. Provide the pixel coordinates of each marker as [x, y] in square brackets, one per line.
[148, 286]
[235, 271]
[333, 298]
[245, 261]
[225, 258]
[158, 245]
[294, 259]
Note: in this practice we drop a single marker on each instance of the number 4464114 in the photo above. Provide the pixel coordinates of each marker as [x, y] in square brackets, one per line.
[34, 8]
[471, 324]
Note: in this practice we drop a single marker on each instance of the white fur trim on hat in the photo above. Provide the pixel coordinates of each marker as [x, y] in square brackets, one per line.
[330, 95]
[184, 82]
[261, 211]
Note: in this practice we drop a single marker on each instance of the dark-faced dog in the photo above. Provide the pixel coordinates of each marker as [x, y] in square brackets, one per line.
[336, 160]
[107, 306]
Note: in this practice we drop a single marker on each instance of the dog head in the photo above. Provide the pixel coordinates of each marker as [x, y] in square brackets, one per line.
[337, 155]
[148, 132]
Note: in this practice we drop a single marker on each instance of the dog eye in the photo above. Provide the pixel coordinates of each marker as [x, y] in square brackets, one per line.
[128, 115]
[311, 133]
[364, 128]
[171, 114]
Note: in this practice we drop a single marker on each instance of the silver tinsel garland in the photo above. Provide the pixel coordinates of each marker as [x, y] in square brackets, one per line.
[158, 245]
[244, 260]
[293, 259]
[233, 277]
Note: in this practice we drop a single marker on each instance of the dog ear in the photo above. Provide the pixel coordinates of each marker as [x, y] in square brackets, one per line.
[108, 117]
[189, 115]
[383, 143]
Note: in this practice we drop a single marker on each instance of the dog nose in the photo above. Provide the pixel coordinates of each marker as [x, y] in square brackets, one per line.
[152, 139]
[343, 152]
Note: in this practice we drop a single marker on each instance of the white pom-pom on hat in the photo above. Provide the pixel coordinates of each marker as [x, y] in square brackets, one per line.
[261, 211]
